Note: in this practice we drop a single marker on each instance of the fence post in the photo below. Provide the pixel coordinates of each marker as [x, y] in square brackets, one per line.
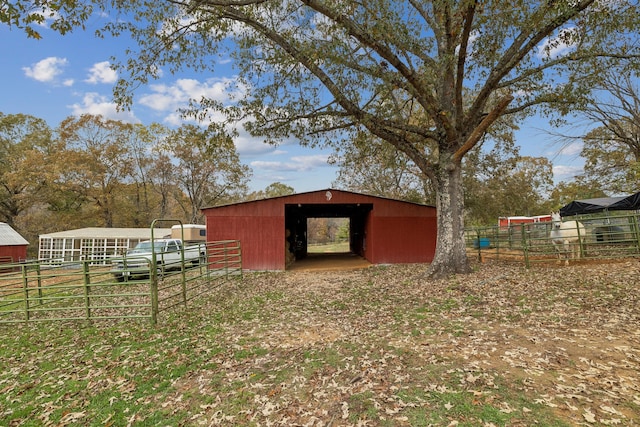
[25, 288]
[636, 231]
[227, 259]
[153, 276]
[87, 287]
[183, 278]
[183, 273]
[580, 237]
[525, 248]
[39, 276]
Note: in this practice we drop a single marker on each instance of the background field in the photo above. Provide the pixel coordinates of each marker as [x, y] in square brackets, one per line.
[336, 247]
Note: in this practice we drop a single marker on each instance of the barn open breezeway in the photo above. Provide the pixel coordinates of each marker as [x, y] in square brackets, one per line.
[296, 225]
[273, 232]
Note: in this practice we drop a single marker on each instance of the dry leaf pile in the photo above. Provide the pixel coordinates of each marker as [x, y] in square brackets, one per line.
[379, 346]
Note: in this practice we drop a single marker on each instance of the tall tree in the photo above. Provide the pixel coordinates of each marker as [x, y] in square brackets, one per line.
[612, 150]
[501, 182]
[207, 170]
[98, 161]
[317, 67]
[321, 70]
[577, 189]
[275, 189]
[369, 165]
[163, 180]
[26, 145]
[497, 180]
[146, 203]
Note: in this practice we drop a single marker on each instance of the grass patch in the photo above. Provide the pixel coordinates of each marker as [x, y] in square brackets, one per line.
[370, 347]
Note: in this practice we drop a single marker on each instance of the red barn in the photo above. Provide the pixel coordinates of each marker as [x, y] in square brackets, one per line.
[506, 221]
[13, 247]
[383, 231]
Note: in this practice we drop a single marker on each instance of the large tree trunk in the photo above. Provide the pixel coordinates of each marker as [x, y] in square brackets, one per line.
[451, 254]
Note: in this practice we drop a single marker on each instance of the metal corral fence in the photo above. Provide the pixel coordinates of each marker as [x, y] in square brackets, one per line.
[38, 291]
[606, 236]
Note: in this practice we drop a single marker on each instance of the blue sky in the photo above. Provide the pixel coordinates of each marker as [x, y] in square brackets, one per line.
[57, 77]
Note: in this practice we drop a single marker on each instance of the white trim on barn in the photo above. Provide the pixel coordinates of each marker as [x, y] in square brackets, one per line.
[93, 243]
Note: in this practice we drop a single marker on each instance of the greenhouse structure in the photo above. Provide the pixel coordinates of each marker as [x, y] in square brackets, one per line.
[93, 243]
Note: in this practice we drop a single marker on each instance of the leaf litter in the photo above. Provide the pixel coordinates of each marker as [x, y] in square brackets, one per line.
[379, 346]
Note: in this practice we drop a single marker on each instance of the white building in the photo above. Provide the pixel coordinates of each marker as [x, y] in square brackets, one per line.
[93, 243]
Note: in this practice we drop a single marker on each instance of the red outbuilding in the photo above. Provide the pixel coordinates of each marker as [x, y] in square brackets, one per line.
[13, 247]
[381, 230]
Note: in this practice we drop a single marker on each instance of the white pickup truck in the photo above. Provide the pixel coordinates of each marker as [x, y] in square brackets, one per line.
[136, 262]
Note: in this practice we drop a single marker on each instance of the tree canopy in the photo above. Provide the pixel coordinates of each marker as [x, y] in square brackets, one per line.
[429, 78]
[26, 143]
[91, 171]
[612, 149]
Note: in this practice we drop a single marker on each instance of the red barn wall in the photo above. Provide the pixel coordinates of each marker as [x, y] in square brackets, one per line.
[401, 233]
[395, 232]
[401, 240]
[258, 227]
[14, 252]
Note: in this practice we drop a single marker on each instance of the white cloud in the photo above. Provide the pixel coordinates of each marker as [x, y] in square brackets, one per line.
[312, 161]
[250, 145]
[272, 166]
[46, 70]
[172, 97]
[573, 149]
[101, 72]
[553, 47]
[563, 172]
[48, 14]
[295, 164]
[93, 103]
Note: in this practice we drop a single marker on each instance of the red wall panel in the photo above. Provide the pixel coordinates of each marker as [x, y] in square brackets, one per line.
[15, 252]
[402, 239]
[261, 239]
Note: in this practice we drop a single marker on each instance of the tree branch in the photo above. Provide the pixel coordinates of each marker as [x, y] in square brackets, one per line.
[480, 130]
[522, 45]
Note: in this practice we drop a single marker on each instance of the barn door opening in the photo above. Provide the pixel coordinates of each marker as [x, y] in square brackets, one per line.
[328, 235]
[315, 230]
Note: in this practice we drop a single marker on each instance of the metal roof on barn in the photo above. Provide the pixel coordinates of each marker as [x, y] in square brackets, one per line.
[10, 237]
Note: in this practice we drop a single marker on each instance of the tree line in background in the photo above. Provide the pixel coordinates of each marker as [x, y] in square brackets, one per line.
[96, 172]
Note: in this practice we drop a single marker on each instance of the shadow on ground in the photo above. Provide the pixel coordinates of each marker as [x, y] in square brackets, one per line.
[330, 262]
